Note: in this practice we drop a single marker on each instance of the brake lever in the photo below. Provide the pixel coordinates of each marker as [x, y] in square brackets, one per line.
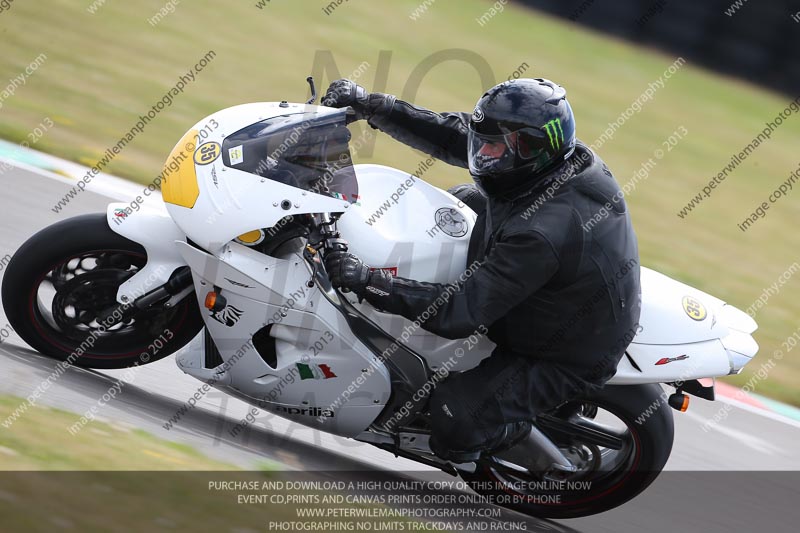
[350, 115]
[312, 257]
[339, 245]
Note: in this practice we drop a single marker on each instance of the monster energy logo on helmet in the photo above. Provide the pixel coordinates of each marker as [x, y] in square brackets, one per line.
[553, 129]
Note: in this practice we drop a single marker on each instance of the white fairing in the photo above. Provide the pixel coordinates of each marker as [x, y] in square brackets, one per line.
[261, 291]
[157, 233]
[233, 202]
[673, 346]
[310, 367]
[664, 325]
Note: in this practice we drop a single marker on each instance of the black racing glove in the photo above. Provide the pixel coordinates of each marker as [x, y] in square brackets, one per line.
[348, 272]
[346, 93]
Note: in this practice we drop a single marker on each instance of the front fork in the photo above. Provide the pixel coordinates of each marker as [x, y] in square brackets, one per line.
[177, 287]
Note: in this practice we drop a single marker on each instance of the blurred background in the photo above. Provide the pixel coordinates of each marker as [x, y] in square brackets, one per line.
[747, 39]
[692, 79]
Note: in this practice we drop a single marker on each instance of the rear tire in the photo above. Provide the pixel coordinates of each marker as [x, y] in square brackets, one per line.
[652, 435]
[84, 262]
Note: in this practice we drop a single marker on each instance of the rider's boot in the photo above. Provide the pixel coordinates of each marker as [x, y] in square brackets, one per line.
[507, 437]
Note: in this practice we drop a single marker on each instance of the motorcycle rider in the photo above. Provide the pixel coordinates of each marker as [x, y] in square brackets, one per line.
[557, 296]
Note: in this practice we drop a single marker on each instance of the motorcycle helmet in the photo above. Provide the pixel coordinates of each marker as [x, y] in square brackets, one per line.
[519, 131]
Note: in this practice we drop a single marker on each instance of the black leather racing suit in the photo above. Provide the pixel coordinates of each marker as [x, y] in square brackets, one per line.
[557, 288]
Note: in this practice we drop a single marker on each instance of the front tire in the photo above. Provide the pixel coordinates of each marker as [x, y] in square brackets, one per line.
[648, 434]
[60, 282]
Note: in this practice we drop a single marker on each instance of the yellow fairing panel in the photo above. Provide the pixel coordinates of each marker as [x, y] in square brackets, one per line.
[179, 185]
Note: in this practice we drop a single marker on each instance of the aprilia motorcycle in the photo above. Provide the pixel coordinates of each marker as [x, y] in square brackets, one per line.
[255, 195]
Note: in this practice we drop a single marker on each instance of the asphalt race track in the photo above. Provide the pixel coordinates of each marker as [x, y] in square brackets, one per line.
[707, 488]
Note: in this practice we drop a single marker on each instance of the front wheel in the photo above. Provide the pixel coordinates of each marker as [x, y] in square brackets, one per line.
[60, 285]
[619, 437]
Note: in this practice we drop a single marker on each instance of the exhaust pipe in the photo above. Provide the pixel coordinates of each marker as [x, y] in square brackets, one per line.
[536, 452]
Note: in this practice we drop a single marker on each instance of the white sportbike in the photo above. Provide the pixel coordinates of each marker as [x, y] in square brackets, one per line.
[232, 269]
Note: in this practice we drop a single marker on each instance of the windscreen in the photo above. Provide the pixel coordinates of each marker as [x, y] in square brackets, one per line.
[305, 150]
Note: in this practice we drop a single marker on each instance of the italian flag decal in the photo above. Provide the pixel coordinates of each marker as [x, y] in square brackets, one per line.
[315, 371]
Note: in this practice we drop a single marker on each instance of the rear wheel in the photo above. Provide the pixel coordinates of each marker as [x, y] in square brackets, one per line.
[620, 438]
[59, 294]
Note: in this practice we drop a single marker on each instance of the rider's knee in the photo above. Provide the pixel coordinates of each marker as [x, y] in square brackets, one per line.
[470, 195]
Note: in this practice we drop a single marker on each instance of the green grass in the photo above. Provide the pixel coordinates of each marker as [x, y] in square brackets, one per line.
[111, 478]
[39, 440]
[104, 70]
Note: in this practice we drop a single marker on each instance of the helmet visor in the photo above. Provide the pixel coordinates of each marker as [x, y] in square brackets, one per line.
[491, 154]
[495, 154]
